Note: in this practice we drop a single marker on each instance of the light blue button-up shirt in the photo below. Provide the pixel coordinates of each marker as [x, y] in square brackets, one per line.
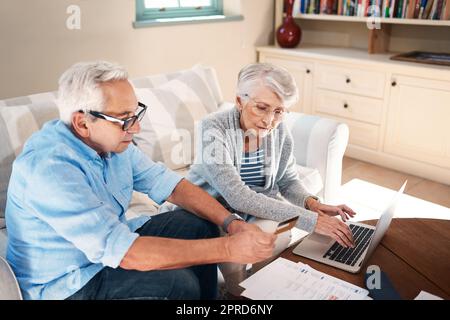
[66, 207]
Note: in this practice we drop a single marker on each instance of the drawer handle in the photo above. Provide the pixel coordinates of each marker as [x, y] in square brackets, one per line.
[308, 71]
[394, 83]
[348, 80]
[345, 105]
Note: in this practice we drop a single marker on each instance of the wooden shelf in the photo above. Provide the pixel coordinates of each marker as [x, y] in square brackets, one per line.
[378, 39]
[331, 17]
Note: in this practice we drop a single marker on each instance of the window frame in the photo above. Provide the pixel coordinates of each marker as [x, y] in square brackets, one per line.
[145, 14]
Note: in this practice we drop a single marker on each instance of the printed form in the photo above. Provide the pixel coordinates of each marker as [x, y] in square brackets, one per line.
[286, 280]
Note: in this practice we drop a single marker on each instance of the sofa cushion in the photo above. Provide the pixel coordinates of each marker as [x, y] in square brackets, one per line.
[167, 130]
[17, 124]
[310, 179]
[208, 75]
[38, 98]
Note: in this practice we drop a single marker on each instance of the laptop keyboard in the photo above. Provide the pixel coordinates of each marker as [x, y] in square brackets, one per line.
[350, 256]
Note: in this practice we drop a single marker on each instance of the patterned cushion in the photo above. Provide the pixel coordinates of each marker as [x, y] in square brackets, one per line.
[208, 75]
[17, 124]
[31, 99]
[167, 130]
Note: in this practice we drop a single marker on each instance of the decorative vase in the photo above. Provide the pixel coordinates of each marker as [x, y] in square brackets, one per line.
[289, 33]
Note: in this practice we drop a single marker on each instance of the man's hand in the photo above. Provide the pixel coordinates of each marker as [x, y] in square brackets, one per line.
[239, 226]
[250, 246]
[321, 208]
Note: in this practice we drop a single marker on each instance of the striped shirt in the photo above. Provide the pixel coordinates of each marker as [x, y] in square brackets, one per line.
[252, 168]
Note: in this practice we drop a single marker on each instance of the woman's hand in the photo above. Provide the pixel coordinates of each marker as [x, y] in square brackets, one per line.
[335, 229]
[342, 210]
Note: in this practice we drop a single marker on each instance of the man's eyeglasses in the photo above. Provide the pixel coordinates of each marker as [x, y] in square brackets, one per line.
[125, 123]
[261, 109]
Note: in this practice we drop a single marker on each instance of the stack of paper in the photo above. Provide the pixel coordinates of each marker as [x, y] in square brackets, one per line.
[286, 280]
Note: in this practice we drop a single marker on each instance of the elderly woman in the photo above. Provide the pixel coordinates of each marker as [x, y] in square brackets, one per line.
[245, 158]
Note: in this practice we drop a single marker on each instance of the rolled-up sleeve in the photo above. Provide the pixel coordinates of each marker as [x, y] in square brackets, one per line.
[118, 244]
[153, 179]
[69, 205]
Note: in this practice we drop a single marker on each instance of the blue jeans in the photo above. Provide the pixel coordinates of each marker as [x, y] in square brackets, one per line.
[197, 282]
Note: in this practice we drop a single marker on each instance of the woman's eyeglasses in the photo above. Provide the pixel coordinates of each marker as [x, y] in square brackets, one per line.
[125, 123]
[262, 109]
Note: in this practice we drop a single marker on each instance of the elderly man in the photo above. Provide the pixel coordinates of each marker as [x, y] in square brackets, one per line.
[69, 191]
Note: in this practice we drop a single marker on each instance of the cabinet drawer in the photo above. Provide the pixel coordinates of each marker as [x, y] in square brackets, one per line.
[361, 134]
[351, 80]
[349, 106]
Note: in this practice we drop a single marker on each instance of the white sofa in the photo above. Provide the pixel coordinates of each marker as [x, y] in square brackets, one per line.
[175, 100]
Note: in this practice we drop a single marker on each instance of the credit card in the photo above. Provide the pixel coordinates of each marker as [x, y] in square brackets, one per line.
[286, 225]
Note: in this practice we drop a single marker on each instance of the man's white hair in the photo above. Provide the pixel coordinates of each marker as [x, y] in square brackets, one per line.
[79, 87]
[276, 78]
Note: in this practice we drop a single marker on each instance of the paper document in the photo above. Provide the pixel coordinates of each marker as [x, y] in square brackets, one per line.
[286, 280]
[423, 295]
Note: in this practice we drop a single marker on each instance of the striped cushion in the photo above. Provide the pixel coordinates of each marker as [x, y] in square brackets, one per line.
[17, 124]
[167, 130]
[208, 76]
[31, 99]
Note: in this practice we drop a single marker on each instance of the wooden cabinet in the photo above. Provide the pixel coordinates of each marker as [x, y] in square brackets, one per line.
[418, 120]
[398, 113]
[302, 71]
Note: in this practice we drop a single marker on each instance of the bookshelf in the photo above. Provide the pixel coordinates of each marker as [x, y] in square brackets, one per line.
[332, 17]
[378, 39]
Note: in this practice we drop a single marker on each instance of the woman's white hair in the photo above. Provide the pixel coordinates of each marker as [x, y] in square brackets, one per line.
[278, 79]
[79, 87]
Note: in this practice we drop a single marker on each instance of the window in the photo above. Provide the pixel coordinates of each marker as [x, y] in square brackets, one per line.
[171, 9]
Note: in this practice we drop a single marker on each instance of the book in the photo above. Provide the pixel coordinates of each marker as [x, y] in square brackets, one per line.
[399, 11]
[303, 4]
[433, 10]
[439, 9]
[410, 9]
[405, 5]
[340, 6]
[446, 15]
[392, 9]
[422, 8]
[416, 9]
[387, 9]
[427, 10]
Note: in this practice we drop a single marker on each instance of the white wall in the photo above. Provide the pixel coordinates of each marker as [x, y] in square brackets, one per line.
[36, 46]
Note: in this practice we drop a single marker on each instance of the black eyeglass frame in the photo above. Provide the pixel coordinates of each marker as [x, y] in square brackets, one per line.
[125, 123]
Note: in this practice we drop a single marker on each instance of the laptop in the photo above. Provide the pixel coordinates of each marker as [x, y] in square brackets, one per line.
[328, 251]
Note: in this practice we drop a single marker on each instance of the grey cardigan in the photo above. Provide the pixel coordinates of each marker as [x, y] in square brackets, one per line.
[217, 163]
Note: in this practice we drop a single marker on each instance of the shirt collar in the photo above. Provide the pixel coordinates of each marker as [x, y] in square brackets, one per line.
[66, 132]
